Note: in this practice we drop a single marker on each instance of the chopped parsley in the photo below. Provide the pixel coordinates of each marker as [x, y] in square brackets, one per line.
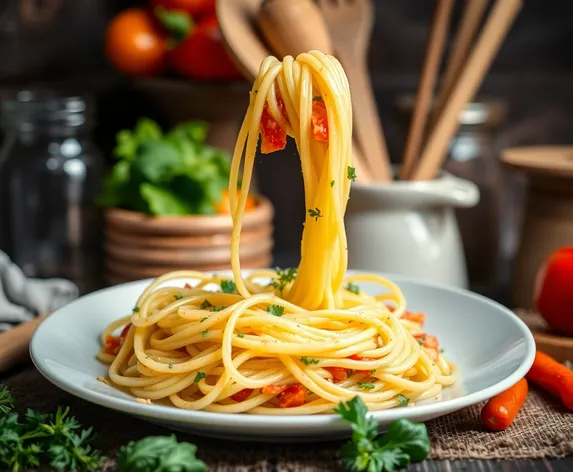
[276, 310]
[318, 98]
[309, 360]
[178, 297]
[283, 278]
[136, 309]
[171, 365]
[315, 213]
[351, 173]
[206, 304]
[199, 377]
[332, 183]
[240, 335]
[203, 319]
[204, 333]
[420, 342]
[372, 371]
[403, 400]
[218, 308]
[366, 385]
[228, 286]
[352, 288]
[349, 374]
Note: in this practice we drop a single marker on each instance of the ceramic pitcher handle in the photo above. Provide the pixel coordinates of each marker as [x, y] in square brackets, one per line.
[459, 192]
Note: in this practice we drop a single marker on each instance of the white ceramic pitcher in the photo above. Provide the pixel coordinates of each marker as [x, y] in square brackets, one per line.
[410, 228]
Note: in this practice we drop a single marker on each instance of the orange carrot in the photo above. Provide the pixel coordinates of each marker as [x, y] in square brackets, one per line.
[553, 377]
[500, 411]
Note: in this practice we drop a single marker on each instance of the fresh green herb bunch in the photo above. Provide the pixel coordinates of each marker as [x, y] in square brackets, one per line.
[33, 439]
[174, 173]
[367, 452]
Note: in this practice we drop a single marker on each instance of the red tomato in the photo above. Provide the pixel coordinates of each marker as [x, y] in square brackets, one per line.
[430, 344]
[415, 317]
[202, 54]
[553, 292]
[112, 345]
[338, 373]
[125, 330]
[319, 121]
[242, 395]
[273, 136]
[134, 44]
[196, 8]
[293, 396]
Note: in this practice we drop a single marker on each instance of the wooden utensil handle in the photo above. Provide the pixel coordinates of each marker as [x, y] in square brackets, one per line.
[14, 343]
[368, 126]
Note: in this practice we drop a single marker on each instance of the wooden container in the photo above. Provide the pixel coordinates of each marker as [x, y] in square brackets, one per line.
[139, 246]
[548, 222]
[558, 347]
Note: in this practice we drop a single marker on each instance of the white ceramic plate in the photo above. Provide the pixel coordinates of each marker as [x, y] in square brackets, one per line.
[491, 346]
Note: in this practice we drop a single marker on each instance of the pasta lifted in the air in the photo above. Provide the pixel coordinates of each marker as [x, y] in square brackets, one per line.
[310, 338]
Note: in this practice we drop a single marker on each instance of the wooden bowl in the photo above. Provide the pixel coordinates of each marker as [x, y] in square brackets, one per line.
[139, 246]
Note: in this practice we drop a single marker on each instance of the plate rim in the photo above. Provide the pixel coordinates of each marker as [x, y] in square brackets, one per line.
[286, 422]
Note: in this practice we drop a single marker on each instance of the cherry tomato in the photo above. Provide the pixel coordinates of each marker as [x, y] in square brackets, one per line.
[134, 43]
[224, 206]
[414, 317]
[273, 389]
[338, 373]
[273, 135]
[553, 292]
[196, 8]
[202, 55]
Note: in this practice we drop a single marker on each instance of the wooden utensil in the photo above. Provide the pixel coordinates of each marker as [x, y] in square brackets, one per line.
[350, 25]
[495, 30]
[292, 27]
[432, 61]
[465, 36]
[14, 344]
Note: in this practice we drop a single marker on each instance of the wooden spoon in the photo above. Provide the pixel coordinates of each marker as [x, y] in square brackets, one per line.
[292, 27]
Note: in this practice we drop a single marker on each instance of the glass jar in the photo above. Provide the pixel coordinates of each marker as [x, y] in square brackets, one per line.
[474, 155]
[51, 175]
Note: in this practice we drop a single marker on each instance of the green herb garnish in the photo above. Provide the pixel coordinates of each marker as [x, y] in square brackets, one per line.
[315, 213]
[352, 288]
[205, 304]
[351, 173]
[317, 98]
[204, 333]
[283, 278]
[403, 442]
[136, 309]
[218, 308]
[228, 286]
[178, 297]
[240, 335]
[366, 385]
[332, 183]
[309, 360]
[171, 365]
[403, 400]
[200, 375]
[203, 319]
[276, 310]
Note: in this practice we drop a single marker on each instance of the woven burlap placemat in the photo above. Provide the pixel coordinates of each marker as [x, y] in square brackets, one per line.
[544, 428]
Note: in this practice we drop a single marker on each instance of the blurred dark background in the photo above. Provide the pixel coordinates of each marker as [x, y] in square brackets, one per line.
[60, 41]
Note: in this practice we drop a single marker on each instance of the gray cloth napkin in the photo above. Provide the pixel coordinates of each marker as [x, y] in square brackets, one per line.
[22, 298]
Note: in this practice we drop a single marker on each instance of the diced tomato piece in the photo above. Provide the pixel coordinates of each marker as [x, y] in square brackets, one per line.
[430, 344]
[356, 357]
[273, 389]
[242, 395]
[415, 317]
[273, 135]
[319, 121]
[338, 373]
[187, 286]
[112, 345]
[391, 308]
[124, 332]
[293, 396]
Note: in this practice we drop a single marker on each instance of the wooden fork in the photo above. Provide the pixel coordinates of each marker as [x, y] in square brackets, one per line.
[350, 25]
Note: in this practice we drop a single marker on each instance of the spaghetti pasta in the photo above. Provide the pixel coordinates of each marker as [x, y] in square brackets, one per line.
[294, 341]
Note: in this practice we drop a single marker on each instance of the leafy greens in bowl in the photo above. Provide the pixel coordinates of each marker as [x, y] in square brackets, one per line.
[173, 173]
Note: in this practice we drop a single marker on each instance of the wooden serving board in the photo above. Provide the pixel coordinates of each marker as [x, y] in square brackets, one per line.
[558, 347]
